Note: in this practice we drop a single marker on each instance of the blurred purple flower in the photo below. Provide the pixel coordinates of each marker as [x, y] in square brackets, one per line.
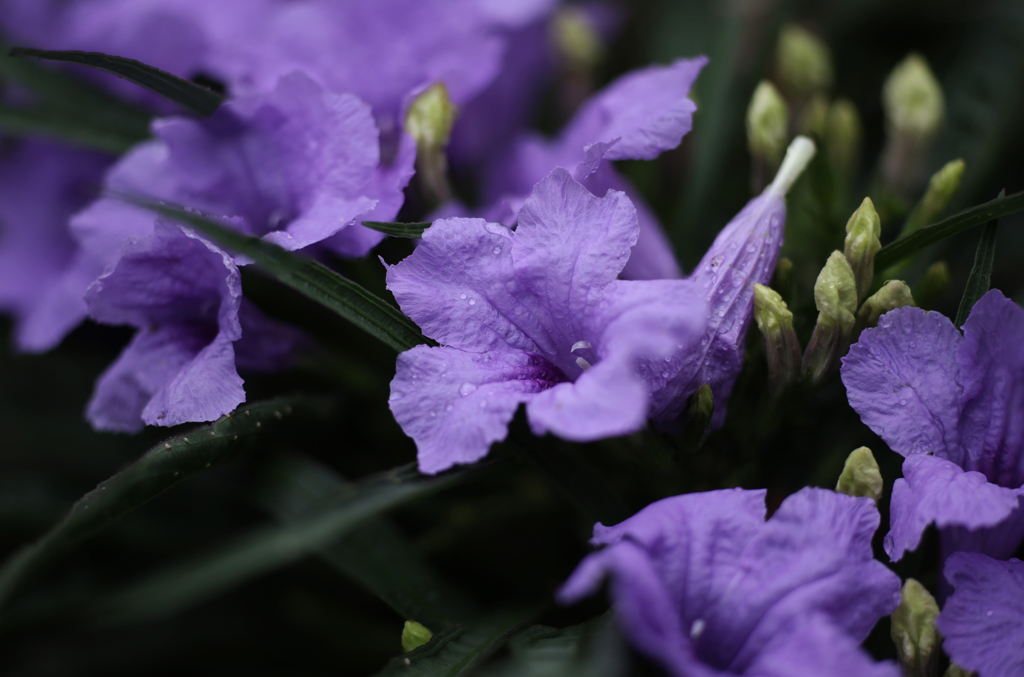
[534, 315]
[42, 275]
[983, 620]
[637, 117]
[705, 586]
[954, 406]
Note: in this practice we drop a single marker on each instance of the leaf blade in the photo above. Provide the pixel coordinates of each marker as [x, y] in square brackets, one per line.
[396, 229]
[965, 220]
[980, 277]
[185, 93]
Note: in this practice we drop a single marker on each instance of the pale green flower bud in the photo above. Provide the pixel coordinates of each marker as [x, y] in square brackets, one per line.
[913, 630]
[843, 135]
[912, 98]
[767, 122]
[576, 38]
[863, 231]
[781, 346]
[893, 294]
[802, 61]
[955, 670]
[699, 408]
[429, 121]
[861, 475]
[942, 188]
[814, 119]
[932, 284]
[835, 296]
[414, 635]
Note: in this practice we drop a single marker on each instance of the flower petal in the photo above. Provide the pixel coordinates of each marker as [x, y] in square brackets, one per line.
[903, 380]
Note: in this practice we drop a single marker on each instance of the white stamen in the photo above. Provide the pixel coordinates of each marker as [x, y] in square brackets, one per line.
[580, 344]
[697, 629]
[798, 156]
[584, 365]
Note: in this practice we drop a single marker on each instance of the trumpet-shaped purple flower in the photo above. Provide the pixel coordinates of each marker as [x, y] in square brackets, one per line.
[954, 407]
[533, 316]
[983, 620]
[637, 117]
[42, 274]
[185, 297]
[705, 586]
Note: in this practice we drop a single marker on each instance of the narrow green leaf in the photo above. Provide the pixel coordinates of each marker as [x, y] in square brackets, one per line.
[395, 229]
[159, 469]
[185, 93]
[266, 548]
[965, 220]
[376, 553]
[458, 651]
[980, 278]
[591, 649]
[62, 127]
[370, 313]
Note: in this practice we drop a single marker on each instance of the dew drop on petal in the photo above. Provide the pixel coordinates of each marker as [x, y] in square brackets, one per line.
[449, 407]
[497, 250]
[466, 389]
[462, 296]
[472, 302]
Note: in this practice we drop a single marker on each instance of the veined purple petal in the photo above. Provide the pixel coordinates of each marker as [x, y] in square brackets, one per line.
[455, 404]
[935, 490]
[983, 620]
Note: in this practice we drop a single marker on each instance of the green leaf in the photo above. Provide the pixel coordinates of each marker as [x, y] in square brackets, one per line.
[458, 651]
[62, 127]
[370, 313]
[159, 469]
[965, 220]
[376, 554]
[980, 278]
[185, 93]
[395, 229]
[266, 548]
[591, 649]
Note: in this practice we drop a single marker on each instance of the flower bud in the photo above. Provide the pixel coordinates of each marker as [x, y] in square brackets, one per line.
[932, 284]
[700, 407]
[802, 61]
[913, 630]
[942, 188]
[576, 38]
[893, 294]
[863, 231]
[955, 670]
[843, 136]
[835, 296]
[429, 121]
[781, 346]
[814, 119]
[912, 98]
[861, 476]
[414, 635]
[767, 121]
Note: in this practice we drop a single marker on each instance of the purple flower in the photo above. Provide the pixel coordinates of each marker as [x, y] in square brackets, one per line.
[983, 620]
[534, 315]
[706, 587]
[42, 273]
[743, 254]
[637, 117]
[185, 297]
[954, 406]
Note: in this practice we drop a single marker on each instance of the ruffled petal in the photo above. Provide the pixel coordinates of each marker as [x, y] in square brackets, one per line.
[903, 380]
[455, 404]
[983, 620]
[934, 490]
[818, 648]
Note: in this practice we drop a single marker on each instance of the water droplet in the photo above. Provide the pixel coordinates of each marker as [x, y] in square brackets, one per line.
[497, 250]
[721, 312]
[751, 248]
[472, 302]
[989, 612]
[433, 414]
[449, 407]
[903, 403]
[466, 388]
[462, 296]
[664, 374]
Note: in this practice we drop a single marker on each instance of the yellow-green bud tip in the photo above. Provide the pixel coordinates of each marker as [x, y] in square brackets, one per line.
[942, 187]
[913, 629]
[893, 294]
[770, 311]
[767, 122]
[913, 99]
[431, 117]
[863, 231]
[782, 347]
[861, 476]
[803, 61]
[414, 635]
[835, 291]
[955, 670]
[575, 37]
[843, 134]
